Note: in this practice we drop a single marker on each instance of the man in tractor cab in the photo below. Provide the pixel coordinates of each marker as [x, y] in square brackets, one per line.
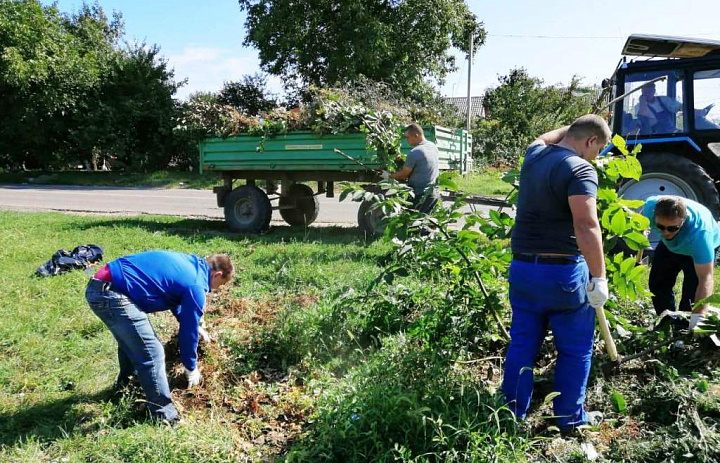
[690, 237]
[656, 113]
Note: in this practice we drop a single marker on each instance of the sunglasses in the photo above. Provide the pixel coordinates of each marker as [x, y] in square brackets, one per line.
[669, 228]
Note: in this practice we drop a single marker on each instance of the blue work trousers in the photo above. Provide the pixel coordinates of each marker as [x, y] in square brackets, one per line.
[554, 295]
[139, 349]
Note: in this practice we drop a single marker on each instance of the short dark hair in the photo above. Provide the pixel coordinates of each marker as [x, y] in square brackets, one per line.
[590, 125]
[670, 207]
[414, 129]
[221, 262]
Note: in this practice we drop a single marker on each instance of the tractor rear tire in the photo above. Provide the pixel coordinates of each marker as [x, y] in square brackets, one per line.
[670, 174]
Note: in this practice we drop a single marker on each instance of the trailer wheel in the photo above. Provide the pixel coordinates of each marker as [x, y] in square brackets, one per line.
[371, 221]
[248, 210]
[306, 205]
[670, 174]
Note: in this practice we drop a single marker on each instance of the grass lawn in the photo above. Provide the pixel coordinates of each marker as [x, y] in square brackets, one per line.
[485, 182]
[57, 360]
[303, 366]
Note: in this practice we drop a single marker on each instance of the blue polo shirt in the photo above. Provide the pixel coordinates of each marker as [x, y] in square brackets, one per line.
[548, 177]
[699, 235]
[163, 280]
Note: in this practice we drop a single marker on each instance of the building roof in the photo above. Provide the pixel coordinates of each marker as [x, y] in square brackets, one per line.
[460, 102]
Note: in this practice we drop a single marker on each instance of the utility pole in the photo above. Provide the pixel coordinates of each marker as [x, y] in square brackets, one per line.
[469, 98]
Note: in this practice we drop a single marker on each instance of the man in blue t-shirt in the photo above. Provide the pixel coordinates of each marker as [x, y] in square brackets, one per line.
[420, 169]
[690, 236]
[125, 290]
[557, 254]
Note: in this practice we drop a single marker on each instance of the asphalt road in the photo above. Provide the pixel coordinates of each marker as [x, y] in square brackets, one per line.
[131, 201]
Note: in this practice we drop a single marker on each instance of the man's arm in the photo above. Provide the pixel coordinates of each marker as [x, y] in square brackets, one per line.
[402, 174]
[587, 232]
[706, 283]
[189, 314]
[552, 137]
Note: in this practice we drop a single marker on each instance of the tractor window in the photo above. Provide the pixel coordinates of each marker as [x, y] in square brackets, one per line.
[655, 109]
[707, 99]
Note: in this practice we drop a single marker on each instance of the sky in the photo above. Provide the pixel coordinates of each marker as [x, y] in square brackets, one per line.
[552, 39]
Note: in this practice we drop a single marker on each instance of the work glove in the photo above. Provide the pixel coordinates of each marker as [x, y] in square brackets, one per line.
[597, 292]
[204, 335]
[193, 377]
[697, 318]
[384, 174]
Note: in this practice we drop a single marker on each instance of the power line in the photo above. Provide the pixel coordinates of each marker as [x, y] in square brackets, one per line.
[575, 37]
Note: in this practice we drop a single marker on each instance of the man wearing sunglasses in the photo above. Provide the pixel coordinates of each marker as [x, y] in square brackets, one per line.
[557, 252]
[690, 236]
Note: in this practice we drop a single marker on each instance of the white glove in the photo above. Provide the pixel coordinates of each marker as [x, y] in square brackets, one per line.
[193, 377]
[597, 292]
[385, 175]
[204, 335]
[697, 318]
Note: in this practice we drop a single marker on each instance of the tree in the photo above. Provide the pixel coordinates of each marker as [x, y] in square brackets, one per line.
[48, 62]
[520, 109]
[130, 115]
[248, 95]
[328, 42]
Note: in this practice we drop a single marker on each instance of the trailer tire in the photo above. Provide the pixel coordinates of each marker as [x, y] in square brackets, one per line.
[670, 174]
[371, 221]
[247, 210]
[306, 205]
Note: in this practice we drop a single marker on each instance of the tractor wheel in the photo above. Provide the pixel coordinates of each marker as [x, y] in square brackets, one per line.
[305, 205]
[248, 210]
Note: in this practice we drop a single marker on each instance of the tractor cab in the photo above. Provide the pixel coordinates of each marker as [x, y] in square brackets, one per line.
[668, 99]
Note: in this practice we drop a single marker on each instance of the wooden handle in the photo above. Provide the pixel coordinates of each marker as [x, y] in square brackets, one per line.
[605, 332]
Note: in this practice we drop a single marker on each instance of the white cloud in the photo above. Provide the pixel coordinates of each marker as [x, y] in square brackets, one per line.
[207, 68]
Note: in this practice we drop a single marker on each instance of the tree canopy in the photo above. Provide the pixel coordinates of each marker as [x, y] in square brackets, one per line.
[520, 109]
[404, 43]
[69, 92]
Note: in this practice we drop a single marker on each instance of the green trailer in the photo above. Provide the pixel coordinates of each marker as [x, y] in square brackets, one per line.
[287, 162]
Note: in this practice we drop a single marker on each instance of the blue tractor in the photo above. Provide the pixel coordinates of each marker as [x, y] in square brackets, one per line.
[666, 93]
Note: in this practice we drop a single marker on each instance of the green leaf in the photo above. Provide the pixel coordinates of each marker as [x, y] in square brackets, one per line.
[632, 203]
[619, 142]
[618, 222]
[447, 180]
[607, 194]
[618, 402]
[712, 299]
[550, 397]
[627, 264]
[638, 238]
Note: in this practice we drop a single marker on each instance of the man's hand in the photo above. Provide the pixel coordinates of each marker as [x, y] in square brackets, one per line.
[597, 292]
[193, 377]
[696, 318]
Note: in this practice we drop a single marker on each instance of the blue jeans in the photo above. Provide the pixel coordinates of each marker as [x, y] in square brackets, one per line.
[139, 349]
[554, 295]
